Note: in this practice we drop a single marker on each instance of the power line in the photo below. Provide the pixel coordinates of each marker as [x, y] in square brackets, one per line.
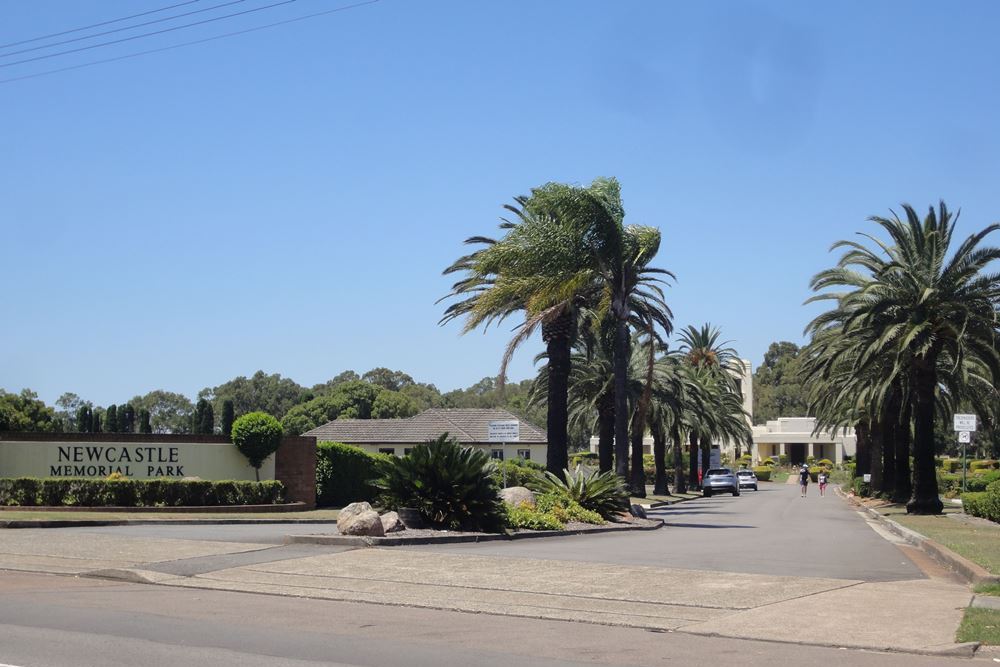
[191, 43]
[98, 25]
[146, 34]
[128, 27]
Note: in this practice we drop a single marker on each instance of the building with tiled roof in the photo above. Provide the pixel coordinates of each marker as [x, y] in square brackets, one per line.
[469, 426]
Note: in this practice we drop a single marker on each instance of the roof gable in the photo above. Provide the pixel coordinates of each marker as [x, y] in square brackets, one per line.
[467, 425]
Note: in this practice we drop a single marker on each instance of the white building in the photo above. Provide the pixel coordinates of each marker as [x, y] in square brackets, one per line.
[794, 437]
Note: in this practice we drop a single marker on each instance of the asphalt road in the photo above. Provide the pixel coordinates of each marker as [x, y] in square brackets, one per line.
[57, 621]
[771, 531]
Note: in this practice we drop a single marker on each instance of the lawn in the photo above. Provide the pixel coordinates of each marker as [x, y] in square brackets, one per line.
[978, 542]
[980, 625]
[55, 515]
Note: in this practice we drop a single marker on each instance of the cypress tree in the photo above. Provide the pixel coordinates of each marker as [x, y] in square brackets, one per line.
[228, 416]
[111, 424]
[95, 424]
[144, 425]
[83, 419]
[207, 424]
[127, 418]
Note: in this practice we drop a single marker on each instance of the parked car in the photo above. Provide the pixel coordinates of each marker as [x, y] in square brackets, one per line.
[747, 479]
[718, 480]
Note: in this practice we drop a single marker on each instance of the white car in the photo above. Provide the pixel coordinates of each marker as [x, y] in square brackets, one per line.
[748, 480]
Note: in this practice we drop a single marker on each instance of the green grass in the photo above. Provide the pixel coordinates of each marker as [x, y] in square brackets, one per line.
[979, 543]
[15, 515]
[779, 476]
[980, 625]
[987, 589]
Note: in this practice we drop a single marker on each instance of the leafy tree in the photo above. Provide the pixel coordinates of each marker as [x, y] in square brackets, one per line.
[228, 416]
[169, 412]
[350, 400]
[25, 412]
[424, 396]
[778, 390]
[393, 405]
[330, 385]
[261, 392]
[69, 405]
[387, 379]
[111, 424]
[257, 435]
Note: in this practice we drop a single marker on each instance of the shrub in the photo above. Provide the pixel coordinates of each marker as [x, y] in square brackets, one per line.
[604, 493]
[346, 474]
[783, 459]
[980, 481]
[861, 487]
[525, 516]
[826, 463]
[451, 486]
[810, 459]
[763, 473]
[88, 492]
[951, 465]
[516, 472]
[257, 435]
[649, 466]
[584, 458]
[988, 464]
[746, 460]
[985, 504]
[768, 462]
[566, 510]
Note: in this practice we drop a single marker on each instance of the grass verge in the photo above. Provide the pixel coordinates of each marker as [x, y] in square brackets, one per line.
[980, 625]
[55, 515]
[987, 589]
[978, 542]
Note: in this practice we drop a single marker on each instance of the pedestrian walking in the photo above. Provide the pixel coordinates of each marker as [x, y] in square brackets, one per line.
[804, 480]
[822, 479]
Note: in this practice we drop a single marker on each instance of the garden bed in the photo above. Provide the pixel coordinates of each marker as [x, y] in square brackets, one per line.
[431, 536]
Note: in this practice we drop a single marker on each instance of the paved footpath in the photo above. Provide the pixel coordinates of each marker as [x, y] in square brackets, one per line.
[765, 566]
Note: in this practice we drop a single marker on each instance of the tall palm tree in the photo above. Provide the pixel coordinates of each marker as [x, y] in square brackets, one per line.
[908, 307]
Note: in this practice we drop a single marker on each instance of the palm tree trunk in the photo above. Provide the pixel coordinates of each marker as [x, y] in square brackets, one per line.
[904, 485]
[660, 461]
[606, 432]
[621, 359]
[706, 454]
[875, 446]
[889, 424]
[680, 483]
[925, 498]
[863, 455]
[637, 479]
[693, 461]
[558, 341]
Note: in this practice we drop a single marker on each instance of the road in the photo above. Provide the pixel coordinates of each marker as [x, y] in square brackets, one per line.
[58, 621]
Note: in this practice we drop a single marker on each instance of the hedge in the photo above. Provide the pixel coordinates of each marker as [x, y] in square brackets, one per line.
[985, 504]
[983, 465]
[89, 492]
[344, 473]
[763, 473]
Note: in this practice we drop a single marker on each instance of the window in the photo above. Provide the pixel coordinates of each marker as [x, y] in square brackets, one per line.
[406, 452]
[524, 454]
[387, 450]
[497, 454]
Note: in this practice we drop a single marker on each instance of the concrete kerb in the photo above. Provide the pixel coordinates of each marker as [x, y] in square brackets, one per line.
[81, 523]
[971, 572]
[361, 541]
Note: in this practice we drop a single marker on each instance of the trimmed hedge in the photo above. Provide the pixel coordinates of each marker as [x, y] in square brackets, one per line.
[344, 474]
[988, 464]
[763, 473]
[980, 481]
[985, 504]
[88, 492]
[951, 465]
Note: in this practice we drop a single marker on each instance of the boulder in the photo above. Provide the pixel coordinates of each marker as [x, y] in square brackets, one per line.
[368, 524]
[391, 523]
[515, 496]
[637, 511]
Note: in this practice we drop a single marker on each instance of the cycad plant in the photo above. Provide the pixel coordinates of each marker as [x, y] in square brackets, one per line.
[604, 493]
[451, 486]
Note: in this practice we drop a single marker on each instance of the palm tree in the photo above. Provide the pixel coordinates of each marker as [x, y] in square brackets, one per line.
[908, 308]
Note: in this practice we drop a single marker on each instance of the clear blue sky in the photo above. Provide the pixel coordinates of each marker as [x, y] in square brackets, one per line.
[286, 200]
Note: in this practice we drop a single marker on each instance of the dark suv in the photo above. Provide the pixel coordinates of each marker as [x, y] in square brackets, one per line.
[720, 480]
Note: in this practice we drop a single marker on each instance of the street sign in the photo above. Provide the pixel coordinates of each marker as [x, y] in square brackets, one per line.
[965, 422]
[507, 430]
[964, 437]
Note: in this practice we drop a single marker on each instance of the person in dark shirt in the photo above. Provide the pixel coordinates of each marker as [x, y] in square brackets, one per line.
[804, 480]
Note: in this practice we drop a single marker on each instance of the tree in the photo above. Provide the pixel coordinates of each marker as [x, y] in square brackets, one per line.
[169, 412]
[145, 423]
[85, 419]
[393, 405]
[111, 424]
[127, 418]
[330, 385]
[228, 416]
[69, 405]
[261, 392]
[257, 435]
[910, 312]
[203, 419]
[387, 379]
[777, 385]
[25, 412]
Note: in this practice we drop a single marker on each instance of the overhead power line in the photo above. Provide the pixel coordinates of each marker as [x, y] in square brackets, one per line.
[146, 34]
[114, 30]
[190, 43]
[98, 25]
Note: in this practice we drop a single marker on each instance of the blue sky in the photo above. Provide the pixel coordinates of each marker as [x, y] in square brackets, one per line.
[286, 200]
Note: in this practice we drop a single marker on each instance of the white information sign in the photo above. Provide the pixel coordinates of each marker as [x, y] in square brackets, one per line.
[964, 437]
[508, 430]
[965, 422]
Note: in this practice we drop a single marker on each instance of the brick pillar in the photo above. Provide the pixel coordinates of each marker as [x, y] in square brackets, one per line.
[295, 466]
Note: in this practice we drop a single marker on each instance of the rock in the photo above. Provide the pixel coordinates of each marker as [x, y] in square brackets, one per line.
[368, 524]
[637, 511]
[515, 496]
[391, 523]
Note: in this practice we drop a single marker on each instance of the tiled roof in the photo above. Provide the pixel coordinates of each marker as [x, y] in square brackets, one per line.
[467, 425]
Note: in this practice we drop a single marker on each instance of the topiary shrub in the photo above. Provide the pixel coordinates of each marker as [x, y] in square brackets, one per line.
[584, 458]
[346, 474]
[604, 493]
[987, 464]
[763, 473]
[826, 463]
[768, 462]
[257, 435]
[451, 486]
[516, 472]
